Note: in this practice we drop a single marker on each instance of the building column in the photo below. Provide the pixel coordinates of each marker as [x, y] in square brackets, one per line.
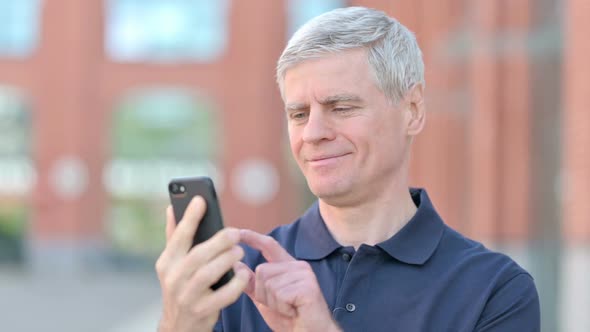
[66, 230]
[574, 285]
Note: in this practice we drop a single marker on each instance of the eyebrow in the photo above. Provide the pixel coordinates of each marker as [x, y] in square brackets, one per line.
[330, 100]
[340, 98]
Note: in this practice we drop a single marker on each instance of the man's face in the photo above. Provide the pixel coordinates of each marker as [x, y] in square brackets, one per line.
[346, 136]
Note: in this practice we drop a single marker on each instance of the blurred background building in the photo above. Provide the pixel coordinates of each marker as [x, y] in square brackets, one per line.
[103, 101]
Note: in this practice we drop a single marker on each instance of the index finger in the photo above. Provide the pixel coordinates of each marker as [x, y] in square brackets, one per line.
[269, 247]
[181, 239]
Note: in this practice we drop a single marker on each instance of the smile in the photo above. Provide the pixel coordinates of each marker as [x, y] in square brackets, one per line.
[325, 160]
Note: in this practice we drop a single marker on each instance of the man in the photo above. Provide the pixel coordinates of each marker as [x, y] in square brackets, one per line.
[370, 255]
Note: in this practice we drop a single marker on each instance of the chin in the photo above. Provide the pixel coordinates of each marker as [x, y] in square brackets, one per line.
[328, 190]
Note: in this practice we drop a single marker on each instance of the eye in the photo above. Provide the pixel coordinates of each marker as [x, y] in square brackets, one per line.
[342, 109]
[297, 116]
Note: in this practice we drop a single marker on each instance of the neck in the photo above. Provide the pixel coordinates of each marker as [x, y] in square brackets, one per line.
[371, 221]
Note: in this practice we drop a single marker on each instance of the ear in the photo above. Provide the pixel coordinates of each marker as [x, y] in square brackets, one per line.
[415, 110]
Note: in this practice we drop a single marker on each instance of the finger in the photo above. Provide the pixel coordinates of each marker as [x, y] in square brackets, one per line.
[280, 292]
[268, 271]
[271, 277]
[182, 238]
[210, 273]
[210, 249]
[204, 252]
[239, 266]
[269, 247]
[170, 222]
[260, 287]
[182, 269]
[227, 294]
[284, 299]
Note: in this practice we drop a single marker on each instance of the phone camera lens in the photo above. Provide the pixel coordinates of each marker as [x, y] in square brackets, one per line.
[174, 188]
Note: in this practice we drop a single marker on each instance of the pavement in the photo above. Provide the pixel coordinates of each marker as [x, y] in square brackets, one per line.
[103, 301]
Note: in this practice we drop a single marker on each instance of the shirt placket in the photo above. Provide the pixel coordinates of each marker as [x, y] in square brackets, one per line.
[354, 294]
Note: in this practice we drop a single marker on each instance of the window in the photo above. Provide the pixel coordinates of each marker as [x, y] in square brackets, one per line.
[157, 134]
[19, 27]
[301, 11]
[17, 175]
[166, 30]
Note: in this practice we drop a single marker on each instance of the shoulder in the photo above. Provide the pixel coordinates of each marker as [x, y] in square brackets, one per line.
[472, 255]
[506, 291]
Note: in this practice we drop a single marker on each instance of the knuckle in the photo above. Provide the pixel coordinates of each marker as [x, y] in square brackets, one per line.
[169, 282]
[161, 267]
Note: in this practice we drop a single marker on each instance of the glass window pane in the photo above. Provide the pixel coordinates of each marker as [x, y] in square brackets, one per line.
[301, 11]
[166, 30]
[17, 175]
[157, 134]
[19, 27]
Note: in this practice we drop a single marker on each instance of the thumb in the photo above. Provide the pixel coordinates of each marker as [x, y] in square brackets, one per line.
[249, 290]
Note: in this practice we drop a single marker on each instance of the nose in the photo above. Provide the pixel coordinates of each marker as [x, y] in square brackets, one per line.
[318, 127]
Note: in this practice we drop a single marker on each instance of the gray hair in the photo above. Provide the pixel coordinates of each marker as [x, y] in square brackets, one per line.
[392, 50]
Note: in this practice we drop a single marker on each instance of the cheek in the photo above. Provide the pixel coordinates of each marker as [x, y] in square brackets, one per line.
[385, 138]
[294, 142]
[390, 126]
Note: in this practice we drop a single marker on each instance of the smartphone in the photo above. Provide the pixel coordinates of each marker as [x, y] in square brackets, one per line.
[182, 191]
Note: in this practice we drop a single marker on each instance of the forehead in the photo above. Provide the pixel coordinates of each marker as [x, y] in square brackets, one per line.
[346, 72]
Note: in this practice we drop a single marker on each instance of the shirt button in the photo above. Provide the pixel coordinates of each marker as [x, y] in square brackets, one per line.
[346, 257]
[350, 307]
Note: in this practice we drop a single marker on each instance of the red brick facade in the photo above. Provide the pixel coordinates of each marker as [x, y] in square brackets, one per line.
[476, 155]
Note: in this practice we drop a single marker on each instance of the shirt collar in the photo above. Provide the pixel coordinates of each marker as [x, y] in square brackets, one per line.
[314, 240]
[413, 244]
[418, 239]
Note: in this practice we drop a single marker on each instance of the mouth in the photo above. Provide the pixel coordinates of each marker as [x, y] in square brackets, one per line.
[325, 159]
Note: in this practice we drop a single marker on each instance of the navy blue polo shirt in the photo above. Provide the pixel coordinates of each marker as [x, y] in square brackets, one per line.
[427, 277]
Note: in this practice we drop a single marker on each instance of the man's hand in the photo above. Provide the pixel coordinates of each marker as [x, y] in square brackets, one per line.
[285, 290]
[186, 274]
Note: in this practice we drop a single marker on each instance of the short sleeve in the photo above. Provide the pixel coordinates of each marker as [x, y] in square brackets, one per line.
[218, 326]
[513, 307]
